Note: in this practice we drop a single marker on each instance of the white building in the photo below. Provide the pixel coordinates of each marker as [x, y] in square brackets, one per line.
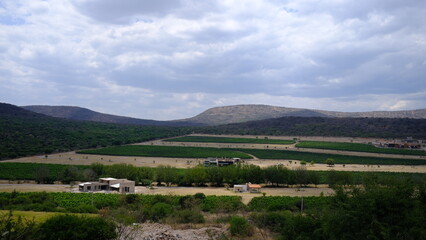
[108, 184]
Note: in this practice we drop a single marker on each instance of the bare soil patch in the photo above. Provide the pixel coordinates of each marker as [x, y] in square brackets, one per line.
[71, 158]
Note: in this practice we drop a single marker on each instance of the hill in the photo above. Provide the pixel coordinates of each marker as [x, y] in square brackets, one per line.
[244, 113]
[320, 126]
[24, 133]
[78, 113]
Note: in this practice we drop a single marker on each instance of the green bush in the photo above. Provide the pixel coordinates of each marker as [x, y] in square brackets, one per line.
[73, 227]
[240, 227]
[188, 216]
[160, 210]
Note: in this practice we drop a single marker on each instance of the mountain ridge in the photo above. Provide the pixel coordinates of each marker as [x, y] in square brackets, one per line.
[254, 112]
[220, 115]
[79, 113]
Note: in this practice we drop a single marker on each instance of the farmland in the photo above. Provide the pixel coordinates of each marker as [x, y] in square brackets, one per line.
[230, 140]
[321, 157]
[167, 151]
[357, 147]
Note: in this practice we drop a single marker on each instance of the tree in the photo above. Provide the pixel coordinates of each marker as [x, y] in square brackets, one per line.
[301, 176]
[42, 175]
[329, 162]
[166, 174]
[215, 175]
[71, 174]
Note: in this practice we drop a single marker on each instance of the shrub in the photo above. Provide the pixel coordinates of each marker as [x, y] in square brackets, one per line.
[188, 216]
[72, 227]
[160, 210]
[240, 227]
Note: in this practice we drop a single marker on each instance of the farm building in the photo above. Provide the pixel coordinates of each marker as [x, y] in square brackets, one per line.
[248, 187]
[254, 188]
[240, 188]
[108, 184]
[220, 162]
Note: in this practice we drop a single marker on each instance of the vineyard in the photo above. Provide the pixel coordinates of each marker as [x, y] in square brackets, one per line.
[168, 151]
[321, 157]
[357, 147]
[93, 202]
[230, 140]
[29, 171]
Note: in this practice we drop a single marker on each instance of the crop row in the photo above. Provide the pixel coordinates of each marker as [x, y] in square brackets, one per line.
[168, 151]
[357, 147]
[230, 140]
[321, 157]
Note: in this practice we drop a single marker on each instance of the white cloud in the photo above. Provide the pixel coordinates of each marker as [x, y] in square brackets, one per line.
[172, 59]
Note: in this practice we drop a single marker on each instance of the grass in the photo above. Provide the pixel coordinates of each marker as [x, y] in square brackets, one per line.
[230, 140]
[39, 217]
[168, 151]
[321, 157]
[357, 147]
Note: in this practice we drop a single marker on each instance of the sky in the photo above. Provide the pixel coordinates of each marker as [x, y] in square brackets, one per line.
[173, 59]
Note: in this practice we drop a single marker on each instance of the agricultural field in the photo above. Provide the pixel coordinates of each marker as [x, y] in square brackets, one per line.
[167, 151]
[321, 157]
[31, 171]
[229, 140]
[357, 147]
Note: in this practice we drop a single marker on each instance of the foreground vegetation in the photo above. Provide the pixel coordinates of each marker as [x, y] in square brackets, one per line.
[198, 176]
[357, 147]
[230, 140]
[167, 151]
[353, 212]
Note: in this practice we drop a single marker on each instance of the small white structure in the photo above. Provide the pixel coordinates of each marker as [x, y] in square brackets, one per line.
[240, 188]
[248, 187]
[108, 184]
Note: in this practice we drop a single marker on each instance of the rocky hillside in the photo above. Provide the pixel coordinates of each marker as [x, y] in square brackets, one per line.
[244, 113]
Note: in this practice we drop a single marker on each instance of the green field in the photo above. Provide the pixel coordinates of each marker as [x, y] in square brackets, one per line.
[357, 147]
[40, 217]
[321, 157]
[27, 171]
[168, 151]
[230, 140]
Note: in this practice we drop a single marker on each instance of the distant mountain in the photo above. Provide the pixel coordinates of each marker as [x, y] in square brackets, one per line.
[244, 113]
[320, 126]
[9, 110]
[78, 113]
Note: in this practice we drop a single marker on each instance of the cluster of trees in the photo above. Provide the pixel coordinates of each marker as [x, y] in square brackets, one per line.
[319, 126]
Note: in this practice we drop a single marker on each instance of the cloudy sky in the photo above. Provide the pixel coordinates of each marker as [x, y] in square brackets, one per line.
[170, 59]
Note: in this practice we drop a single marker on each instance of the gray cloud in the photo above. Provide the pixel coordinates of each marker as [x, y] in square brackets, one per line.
[172, 59]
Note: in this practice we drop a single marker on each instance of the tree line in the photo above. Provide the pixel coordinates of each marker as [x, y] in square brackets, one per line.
[277, 175]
